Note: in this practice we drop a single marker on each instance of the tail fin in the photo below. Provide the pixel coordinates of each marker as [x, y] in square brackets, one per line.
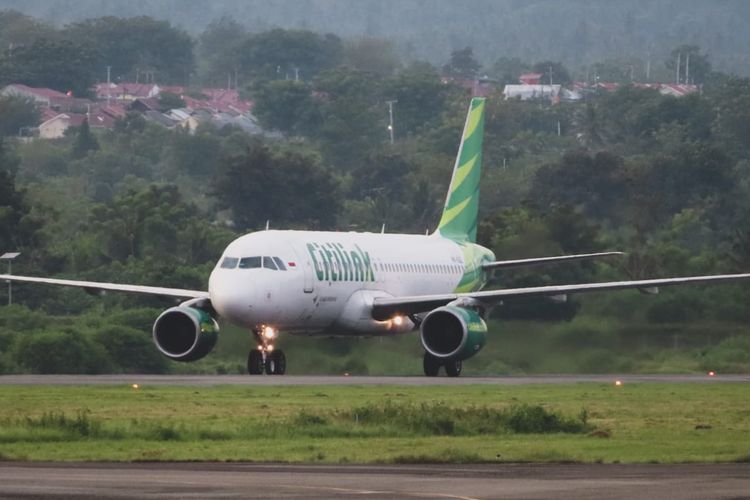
[459, 220]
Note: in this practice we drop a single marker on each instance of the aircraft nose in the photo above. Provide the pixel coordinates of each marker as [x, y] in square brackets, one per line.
[232, 298]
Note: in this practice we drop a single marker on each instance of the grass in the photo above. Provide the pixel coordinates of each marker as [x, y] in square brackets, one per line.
[590, 422]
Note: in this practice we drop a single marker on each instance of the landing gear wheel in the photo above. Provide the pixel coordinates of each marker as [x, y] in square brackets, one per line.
[276, 363]
[255, 362]
[453, 368]
[431, 365]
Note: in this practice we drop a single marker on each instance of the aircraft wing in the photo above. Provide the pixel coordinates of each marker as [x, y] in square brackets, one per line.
[386, 307]
[94, 286]
[506, 264]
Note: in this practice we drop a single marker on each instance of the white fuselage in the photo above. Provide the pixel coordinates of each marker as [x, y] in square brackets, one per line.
[330, 279]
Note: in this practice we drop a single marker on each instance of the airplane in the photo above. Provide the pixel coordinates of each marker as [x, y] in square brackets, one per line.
[361, 284]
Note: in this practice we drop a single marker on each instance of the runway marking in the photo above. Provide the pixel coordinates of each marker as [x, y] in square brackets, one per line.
[378, 492]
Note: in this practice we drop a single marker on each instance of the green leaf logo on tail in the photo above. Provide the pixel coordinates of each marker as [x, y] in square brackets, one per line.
[459, 220]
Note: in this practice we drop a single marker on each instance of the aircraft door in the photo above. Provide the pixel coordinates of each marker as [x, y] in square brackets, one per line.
[305, 262]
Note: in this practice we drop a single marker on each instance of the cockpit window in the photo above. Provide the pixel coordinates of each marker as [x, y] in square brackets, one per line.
[229, 262]
[268, 263]
[273, 263]
[250, 263]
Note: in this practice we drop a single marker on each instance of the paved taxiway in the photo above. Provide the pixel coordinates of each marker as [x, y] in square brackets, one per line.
[241, 480]
[212, 380]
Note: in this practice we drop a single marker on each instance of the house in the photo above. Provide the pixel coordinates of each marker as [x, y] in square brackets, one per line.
[677, 90]
[247, 122]
[44, 96]
[531, 78]
[185, 118]
[125, 91]
[144, 104]
[533, 92]
[55, 127]
[159, 118]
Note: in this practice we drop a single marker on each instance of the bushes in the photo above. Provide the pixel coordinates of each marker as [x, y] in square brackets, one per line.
[62, 352]
[731, 355]
[131, 350]
[437, 419]
[87, 344]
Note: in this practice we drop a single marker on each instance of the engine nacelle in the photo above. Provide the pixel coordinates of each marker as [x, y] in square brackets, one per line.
[453, 333]
[185, 333]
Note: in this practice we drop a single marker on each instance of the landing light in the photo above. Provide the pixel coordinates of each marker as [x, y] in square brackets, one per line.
[269, 348]
[398, 320]
[618, 383]
[268, 332]
[712, 373]
[135, 386]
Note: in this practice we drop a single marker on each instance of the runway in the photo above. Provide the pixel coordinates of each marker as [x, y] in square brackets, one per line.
[273, 481]
[302, 380]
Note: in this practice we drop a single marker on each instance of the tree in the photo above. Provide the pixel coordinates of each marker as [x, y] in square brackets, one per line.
[421, 98]
[152, 223]
[218, 49]
[694, 66]
[287, 106]
[16, 113]
[58, 64]
[84, 141]
[192, 154]
[732, 123]
[353, 115]
[462, 64]
[508, 69]
[135, 44]
[19, 228]
[372, 55]
[19, 29]
[620, 70]
[288, 186]
[288, 54]
[552, 72]
[580, 179]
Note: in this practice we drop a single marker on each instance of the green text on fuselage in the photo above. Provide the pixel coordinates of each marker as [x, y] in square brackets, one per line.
[333, 262]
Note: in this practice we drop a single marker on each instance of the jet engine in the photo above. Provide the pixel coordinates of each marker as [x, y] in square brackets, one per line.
[453, 333]
[185, 333]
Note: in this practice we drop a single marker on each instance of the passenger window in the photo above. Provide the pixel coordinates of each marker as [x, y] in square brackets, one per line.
[268, 263]
[250, 263]
[229, 262]
[279, 263]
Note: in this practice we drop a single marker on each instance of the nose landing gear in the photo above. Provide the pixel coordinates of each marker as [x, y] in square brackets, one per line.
[265, 357]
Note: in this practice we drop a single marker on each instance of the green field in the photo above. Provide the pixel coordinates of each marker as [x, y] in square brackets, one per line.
[588, 422]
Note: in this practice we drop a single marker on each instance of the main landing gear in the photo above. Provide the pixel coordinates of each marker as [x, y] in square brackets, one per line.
[432, 364]
[265, 357]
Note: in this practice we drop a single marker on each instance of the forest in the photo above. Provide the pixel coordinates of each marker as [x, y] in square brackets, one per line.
[665, 179]
[575, 32]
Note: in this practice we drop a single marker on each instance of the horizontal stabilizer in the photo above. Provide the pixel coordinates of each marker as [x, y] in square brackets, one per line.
[508, 264]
